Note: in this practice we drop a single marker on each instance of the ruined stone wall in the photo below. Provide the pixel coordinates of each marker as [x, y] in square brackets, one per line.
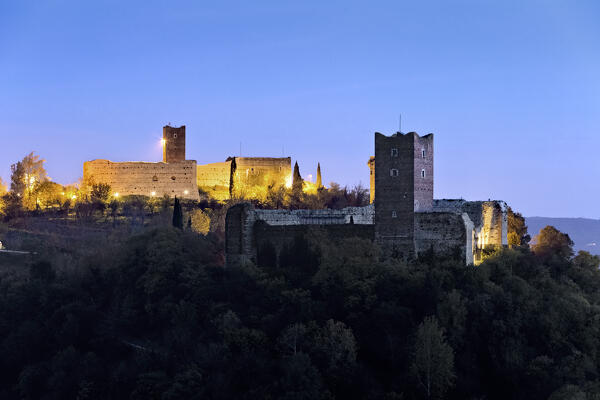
[247, 229]
[145, 178]
[240, 240]
[489, 219]
[444, 233]
[356, 215]
[371, 164]
[280, 236]
[214, 179]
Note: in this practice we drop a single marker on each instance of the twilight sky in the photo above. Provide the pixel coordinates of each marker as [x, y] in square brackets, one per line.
[511, 89]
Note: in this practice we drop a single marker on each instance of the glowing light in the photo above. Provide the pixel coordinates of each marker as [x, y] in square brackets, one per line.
[163, 141]
[309, 187]
[32, 180]
[310, 177]
[116, 194]
[73, 197]
[186, 192]
[63, 193]
[153, 194]
[288, 181]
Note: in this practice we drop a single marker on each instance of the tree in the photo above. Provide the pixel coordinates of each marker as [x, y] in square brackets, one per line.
[337, 344]
[2, 187]
[27, 173]
[552, 242]
[433, 365]
[517, 230]
[585, 260]
[297, 179]
[292, 339]
[177, 214]
[319, 179]
[114, 208]
[200, 222]
[100, 192]
[48, 194]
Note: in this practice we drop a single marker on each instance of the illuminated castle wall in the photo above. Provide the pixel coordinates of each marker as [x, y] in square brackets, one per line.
[247, 177]
[175, 176]
[145, 178]
[403, 218]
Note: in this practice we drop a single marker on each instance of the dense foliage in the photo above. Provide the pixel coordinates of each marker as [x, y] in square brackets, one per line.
[158, 317]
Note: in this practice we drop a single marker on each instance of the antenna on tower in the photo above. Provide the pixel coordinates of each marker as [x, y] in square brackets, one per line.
[400, 123]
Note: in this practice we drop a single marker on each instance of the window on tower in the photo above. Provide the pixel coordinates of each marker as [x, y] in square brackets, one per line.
[423, 153]
[422, 173]
[393, 172]
[394, 152]
[394, 215]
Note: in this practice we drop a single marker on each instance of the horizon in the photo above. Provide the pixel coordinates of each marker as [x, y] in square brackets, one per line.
[508, 90]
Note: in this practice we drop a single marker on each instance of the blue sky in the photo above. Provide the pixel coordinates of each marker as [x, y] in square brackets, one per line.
[511, 89]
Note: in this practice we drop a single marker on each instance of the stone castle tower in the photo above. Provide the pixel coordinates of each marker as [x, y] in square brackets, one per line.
[402, 173]
[173, 144]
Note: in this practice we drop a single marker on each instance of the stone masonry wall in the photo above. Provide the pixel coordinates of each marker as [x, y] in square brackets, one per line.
[445, 233]
[280, 236]
[371, 164]
[214, 179]
[173, 144]
[145, 178]
[423, 170]
[358, 215]
[252, 175]
[489, 219]
[240, 240]
[394, 193]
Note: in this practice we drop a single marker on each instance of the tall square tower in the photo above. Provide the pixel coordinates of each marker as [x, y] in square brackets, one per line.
[173, 144]
[403, 171]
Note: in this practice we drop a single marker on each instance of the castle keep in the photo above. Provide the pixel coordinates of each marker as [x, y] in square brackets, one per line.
[176, 176]
[403, 218]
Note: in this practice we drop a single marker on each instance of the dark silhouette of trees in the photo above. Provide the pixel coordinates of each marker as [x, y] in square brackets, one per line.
[177, 214]
[156, 315]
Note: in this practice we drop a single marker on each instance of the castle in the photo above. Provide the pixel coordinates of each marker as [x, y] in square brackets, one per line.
[403, 218]
[176, 176]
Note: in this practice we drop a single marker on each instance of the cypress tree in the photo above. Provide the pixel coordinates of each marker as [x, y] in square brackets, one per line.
[297, 179]
[319, 180]
[177, 214]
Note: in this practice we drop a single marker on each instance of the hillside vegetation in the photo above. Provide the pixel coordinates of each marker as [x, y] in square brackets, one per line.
[156, 316]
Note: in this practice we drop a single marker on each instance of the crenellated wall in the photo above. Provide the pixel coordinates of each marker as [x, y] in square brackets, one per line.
[145, 178]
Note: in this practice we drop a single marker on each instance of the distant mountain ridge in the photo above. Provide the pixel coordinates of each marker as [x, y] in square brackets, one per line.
[585, 232]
